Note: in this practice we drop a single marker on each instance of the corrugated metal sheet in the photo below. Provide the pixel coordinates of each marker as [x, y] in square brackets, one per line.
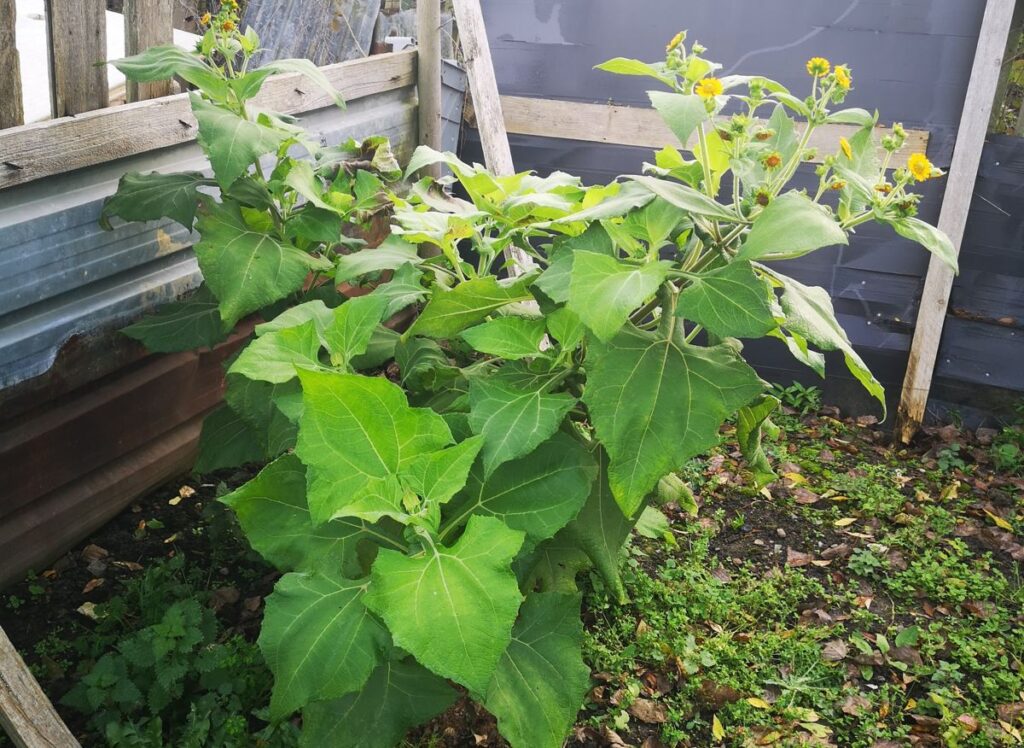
[87, 419]
[911, 60]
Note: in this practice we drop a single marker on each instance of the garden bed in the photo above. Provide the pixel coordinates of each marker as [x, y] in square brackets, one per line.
[869, 597]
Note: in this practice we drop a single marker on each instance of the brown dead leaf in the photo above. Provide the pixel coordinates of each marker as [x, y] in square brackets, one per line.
[652, 741]
[92, 584]
[94, 552]
[649, 711]
[969, 723]
[1010, 712]
[835, 650]
[906, 655]
[716, 695]
[612, 738]
[855, 705]
[224, 596]
[982, 609]
[840, 550]
[805, 496]
[797, 558]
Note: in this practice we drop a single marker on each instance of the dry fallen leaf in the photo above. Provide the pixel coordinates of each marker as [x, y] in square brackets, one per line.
[94, 552]
[1000, 522]
[92, 584]
[186, 492]
[805, 496]
[648, 710]
[88, 610]
[797, 558]
[845, 521]
[835, 650]
[758, 703]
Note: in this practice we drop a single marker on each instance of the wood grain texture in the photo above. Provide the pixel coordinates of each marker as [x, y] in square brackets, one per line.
[963, 172]
[78, 53]
[483, 86]
[428, 76]
[644, 128]
[147, 23]
[26, 714]
[324, 31]
[39, 150]
[11, 111]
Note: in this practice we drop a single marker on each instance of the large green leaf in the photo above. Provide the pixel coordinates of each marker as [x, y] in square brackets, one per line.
[469, 303]
[656, 403]
[512, 420]
[452, 608]
[232, 143]
[810, 315]
[147, 197]
[403, 290]
[601, 529]
[751, 420]
[730, 302]
[603, 291]
[541, 680]
[686, 198]
[226, 441]
[507, 337]
[318, 639]
[349, 333]
[438, 476]
[538, 494]
[316, 311]
[263, 407]
[629, 66]
[681, 112]
[554, 281]
[163, 62]
[356, 434]
[181, 325]
[392, 254]
[398, 696]
[247, 269]
[929, 237]
[275, 356]
[272, 510]
[792, 225]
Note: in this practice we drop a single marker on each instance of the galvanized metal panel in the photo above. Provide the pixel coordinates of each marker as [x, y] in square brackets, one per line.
[66, 277]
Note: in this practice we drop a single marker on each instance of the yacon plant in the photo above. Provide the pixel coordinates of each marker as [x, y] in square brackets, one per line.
[431, 520]
[280, 220]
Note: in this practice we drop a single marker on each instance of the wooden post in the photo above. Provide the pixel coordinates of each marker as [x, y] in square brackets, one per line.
[483, 85]
[77, 46]
[26, 715]
[11, 112]
[963, 171]
[428, 75]
[147, 23]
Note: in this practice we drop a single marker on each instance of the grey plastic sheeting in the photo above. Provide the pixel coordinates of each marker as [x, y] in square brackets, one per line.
[64, 276]
[911, 60]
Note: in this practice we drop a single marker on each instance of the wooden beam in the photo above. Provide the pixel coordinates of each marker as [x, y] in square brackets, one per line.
[476, 53]
[644, 128]
[963, 172]
[26, 715]
[428, 76]
[11, 112]
[147, 23]
[45, 148]
[77, 36]
[483, 85]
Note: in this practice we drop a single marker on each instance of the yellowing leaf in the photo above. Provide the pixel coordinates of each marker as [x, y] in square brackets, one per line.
[845, 521]
[795, 479]
[758, 703]
[717, 731]
[999, 521]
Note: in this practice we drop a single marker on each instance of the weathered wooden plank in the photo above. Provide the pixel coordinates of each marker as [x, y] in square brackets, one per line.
[476, 54]
[77, 31]
[428, 75]
[31, 152]
[324, 31]
[644, 128]
[11, 111]
[26, 714]
[963, 172]
[147, 23]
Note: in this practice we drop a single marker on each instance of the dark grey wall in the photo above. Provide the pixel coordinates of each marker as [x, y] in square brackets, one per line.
[911, 60]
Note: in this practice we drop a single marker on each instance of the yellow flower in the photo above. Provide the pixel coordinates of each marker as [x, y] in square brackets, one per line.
[709, 88]
[845, 145]
[920, 166]
[228, 25]
[676, 41]
[772, 160]
[205, 20]
[818, 67]
[843, 77]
